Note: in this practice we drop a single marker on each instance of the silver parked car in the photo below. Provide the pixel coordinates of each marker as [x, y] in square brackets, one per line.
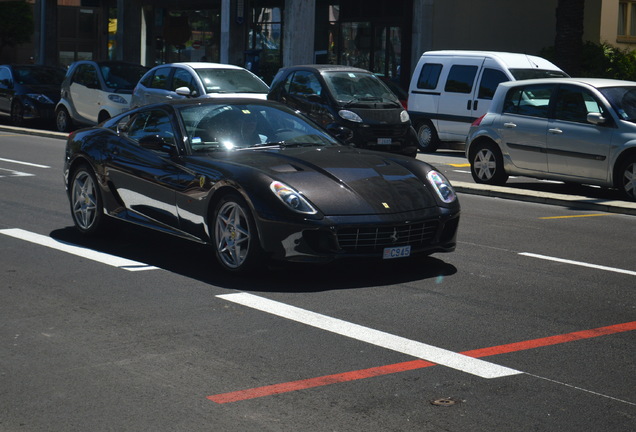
[180, 80]
[577, 130]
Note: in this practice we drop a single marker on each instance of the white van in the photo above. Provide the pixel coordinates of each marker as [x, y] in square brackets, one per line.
[451, 89]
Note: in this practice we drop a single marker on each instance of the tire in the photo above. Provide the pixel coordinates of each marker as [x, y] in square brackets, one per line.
[235, 237]
[427, 139]
[17, 114]
[627, 178]
[486, 164]
[63, 120]
[86, 201]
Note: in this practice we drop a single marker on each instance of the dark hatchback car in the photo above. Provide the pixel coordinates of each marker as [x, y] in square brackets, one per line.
[353, 105]
[29, 92]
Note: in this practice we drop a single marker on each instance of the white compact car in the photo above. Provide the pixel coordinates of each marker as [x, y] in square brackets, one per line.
[181, 80]
[577, 130]
[95, 91]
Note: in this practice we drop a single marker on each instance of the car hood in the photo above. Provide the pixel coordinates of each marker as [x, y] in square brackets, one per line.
[341, 180]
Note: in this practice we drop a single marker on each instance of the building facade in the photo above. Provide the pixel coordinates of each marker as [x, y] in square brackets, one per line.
[385, 36]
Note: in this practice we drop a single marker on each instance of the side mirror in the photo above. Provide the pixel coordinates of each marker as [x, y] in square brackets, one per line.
[314, 98]
[595, 118]
[157, 143]
[344, 134]
[185, 91]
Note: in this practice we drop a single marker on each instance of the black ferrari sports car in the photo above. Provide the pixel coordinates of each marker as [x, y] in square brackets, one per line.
[257, 181]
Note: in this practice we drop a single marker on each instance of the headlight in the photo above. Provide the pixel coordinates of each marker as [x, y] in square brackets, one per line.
[40, 98]
[294, 200]
[442, 186]
[350, 115]
[404, 116]
[117, 99]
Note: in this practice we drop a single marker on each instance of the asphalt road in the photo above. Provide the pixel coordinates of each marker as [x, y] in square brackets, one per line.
[528, 326]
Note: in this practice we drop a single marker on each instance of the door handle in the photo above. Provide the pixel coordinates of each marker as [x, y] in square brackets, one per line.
[555, 131]
[510, 125]
[475, 104]
[469, 104]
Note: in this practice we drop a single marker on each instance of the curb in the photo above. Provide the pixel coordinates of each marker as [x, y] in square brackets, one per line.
[570, 201]
[34, 132]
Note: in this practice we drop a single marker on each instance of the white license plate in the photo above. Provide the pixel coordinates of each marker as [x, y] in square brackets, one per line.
[385, 141]
[396, 252]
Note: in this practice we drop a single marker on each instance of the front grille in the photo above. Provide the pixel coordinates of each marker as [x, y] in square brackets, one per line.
[375, 239]
[388, 131]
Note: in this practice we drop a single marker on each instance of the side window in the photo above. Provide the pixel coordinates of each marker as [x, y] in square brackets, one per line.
[429, 76]
[461, 79]
[86, 75]
[155, 122]
[573, 104]
[490, 79]
[160, 79]
[182, 78]
[305, 84]
[5, 77]
[531, 101]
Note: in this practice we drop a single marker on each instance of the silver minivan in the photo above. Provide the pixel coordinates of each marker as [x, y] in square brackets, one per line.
[577, 130]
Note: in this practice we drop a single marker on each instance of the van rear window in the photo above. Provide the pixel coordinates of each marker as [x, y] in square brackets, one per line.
[429, 76]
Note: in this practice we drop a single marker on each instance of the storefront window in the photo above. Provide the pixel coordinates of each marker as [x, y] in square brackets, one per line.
[263, 55]
[189, 36]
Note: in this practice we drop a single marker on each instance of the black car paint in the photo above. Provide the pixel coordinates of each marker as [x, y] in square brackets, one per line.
[378, 120]
[175, 192]
[12, 91]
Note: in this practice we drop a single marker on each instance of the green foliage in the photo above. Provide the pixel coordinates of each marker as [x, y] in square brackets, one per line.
[16, 23]
[603, 61]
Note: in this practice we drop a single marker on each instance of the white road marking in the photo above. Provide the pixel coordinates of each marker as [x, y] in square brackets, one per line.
[579, 263]
[14, 173]
[24, 163]
[83, 252]
[379, 338]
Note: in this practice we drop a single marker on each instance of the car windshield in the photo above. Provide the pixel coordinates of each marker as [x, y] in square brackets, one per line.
[622, 100]
[121, 76]
[38, 75]
[523, 74]
[230, 81]
[358, 88]
[212, 127]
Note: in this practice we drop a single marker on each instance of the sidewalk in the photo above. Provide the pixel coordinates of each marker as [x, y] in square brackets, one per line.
[528, 195]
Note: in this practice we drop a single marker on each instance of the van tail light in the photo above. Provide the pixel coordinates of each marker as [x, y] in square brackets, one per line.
[478, 121]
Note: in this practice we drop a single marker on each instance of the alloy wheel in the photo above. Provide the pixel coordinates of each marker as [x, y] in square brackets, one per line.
[232, 234]
[84, 201]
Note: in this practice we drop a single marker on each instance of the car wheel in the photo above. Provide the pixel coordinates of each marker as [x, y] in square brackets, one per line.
[103, 116]
[17, 113]
[486, 164]
[627, 178]
[235, 239]
[427, 139]
[86, 201]
[63, 120]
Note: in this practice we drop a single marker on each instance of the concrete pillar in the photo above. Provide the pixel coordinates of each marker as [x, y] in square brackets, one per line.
[129, 31]
[422, 37]
[298, 32]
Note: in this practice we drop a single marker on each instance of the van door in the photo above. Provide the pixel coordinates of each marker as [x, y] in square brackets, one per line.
[456, 103]
[489, 79]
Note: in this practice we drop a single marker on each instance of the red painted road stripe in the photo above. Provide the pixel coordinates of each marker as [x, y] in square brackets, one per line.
[415, 364]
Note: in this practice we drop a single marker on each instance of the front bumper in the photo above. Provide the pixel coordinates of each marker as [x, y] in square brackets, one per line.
[430, 231]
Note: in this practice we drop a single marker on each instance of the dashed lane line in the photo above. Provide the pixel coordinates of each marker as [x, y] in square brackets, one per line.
[83, 252]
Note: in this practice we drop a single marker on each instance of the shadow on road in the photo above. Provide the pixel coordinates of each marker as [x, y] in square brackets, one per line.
[197, 261]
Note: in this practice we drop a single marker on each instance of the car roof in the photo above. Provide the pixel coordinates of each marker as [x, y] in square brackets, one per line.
[201, 65]
[593, 82]
[327, 68]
